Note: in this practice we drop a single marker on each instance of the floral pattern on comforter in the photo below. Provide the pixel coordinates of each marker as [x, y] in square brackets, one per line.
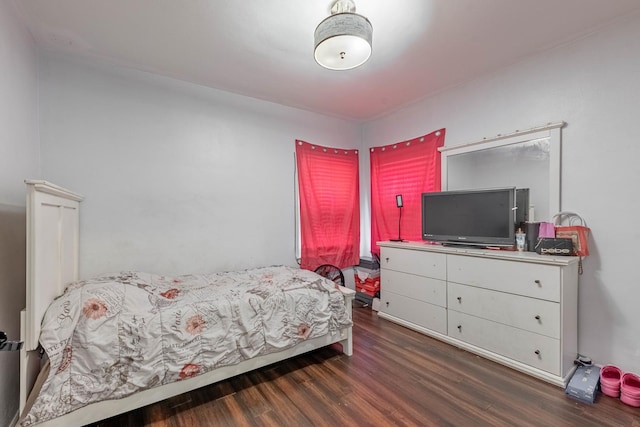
[111, 336]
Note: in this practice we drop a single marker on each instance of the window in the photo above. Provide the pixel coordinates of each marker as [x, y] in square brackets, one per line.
[329, 197]
[409, 168]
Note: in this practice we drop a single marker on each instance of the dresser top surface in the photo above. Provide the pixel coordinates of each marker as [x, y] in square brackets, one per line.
[531, 257]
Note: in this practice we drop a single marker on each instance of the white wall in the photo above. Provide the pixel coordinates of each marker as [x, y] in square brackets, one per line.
[18, 106]
[593, 85]
[18, 160]
[177, 178]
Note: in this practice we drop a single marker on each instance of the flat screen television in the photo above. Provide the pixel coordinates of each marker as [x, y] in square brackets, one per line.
[474, 217]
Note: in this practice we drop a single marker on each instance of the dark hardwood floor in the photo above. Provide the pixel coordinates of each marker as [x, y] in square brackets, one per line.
[395, 377]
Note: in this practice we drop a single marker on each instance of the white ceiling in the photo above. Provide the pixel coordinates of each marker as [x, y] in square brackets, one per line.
[264, 49]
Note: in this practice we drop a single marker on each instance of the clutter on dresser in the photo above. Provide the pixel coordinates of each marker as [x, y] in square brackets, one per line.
[568, 234]
[573, 226]
[521, 241]
[546, 230]
[554, 246]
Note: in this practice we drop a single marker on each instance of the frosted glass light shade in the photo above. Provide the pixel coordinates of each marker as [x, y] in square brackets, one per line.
[343, 41]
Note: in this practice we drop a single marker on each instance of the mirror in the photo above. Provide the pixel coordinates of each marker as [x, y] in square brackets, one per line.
[529, 159]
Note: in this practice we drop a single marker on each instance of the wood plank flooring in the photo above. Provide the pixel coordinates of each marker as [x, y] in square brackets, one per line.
[395, 377]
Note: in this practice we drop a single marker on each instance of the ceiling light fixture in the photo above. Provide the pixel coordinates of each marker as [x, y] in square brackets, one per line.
[343, 40]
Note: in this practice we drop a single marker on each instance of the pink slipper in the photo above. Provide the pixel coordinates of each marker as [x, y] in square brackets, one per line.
[610, 377]
[630, 389]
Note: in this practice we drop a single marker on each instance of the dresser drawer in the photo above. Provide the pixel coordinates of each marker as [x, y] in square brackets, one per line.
[534, 315]
[418, 312]
[422, 288]
[422, 263]
[534, 280]
[526, 347]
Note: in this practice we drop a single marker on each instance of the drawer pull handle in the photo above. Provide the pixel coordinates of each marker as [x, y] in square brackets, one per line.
[537, 282]
[460, 300]
[387, 303]
[460, 328]
[537, 352]
[387, 259]
[538, 317]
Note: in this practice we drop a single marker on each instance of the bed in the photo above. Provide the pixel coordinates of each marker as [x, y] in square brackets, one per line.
[157, 336]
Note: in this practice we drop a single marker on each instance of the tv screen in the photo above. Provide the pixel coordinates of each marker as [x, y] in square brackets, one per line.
[473, 217]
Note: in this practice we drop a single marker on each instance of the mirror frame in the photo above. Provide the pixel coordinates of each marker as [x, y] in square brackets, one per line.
[551, 131]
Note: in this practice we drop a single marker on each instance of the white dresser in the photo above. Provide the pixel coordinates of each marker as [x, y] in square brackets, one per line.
[516, 308]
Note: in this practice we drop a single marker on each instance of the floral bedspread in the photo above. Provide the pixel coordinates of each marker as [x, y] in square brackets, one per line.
[111, 336]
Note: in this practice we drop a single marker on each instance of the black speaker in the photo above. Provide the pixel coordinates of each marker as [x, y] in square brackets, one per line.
[532, 229]
[522, 205]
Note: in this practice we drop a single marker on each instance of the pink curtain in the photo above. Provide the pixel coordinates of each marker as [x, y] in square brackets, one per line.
[409, 168]
[329, 205]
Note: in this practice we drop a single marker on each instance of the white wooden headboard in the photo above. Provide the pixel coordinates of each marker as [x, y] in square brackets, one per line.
[53, 231]
[52, 249]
